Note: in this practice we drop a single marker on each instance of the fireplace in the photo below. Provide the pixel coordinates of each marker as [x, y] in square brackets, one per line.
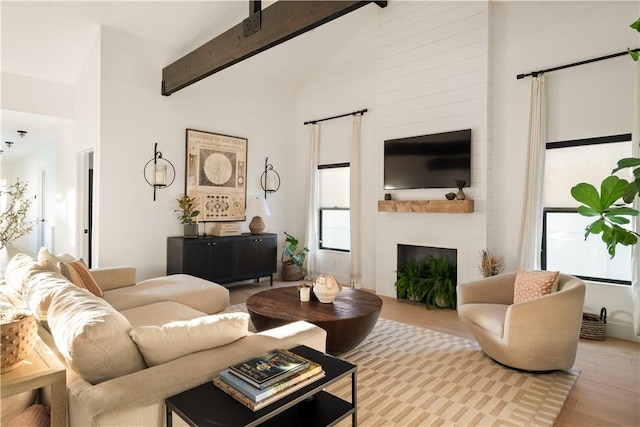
[416, 254]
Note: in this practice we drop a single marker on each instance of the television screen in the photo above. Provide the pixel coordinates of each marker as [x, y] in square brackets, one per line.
[428, 161]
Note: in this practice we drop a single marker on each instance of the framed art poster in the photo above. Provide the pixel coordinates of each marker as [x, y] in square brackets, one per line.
[215, 175]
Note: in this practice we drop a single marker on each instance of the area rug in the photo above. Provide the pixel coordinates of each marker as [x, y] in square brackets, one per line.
[412, 376]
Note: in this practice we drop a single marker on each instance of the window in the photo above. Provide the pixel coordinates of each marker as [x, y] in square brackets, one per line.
[563, 245]
[333, 184]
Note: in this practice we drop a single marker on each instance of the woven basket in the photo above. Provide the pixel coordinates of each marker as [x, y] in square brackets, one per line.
[18, 336]
[594, 327]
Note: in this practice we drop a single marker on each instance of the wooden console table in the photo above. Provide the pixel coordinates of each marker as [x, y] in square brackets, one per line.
[41, 369]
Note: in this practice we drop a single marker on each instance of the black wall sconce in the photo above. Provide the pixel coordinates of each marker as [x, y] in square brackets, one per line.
[157, 173]
[270, 179]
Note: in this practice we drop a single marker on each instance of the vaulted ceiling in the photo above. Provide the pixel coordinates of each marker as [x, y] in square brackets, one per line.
[50, 40]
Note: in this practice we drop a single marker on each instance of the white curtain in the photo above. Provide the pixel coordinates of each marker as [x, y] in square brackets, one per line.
[311, 235]
[354, 204]
[531, 226]
[635, 252]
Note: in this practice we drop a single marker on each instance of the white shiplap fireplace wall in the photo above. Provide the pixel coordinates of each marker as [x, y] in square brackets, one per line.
[433, 76]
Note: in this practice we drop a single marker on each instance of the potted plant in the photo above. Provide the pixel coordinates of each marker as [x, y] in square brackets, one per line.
[292, 258]
[431, 281]
[604, 207]
[187, 207]
[440, 285]
[410, 281]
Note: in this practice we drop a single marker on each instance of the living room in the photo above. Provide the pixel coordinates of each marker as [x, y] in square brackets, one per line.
[112, 108]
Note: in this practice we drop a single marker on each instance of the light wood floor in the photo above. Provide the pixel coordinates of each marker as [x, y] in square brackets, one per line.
[607, 392]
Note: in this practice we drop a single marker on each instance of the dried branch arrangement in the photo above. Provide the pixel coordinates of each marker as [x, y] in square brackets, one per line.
[490, 264]
[13, 220]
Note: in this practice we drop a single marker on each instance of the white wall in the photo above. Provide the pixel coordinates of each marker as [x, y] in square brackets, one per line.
[586, 101]
[433, 77]
[134, 115]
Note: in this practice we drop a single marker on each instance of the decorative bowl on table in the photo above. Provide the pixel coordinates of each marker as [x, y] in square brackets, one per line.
[326, 288]
[18, 331]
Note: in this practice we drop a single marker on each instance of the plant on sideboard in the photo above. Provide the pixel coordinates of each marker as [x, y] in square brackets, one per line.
[609, 214]
[292, 258]
[187, 206]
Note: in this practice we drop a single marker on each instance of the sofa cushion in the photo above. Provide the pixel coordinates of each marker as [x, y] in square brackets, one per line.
[17, 269]
[161, 344]
[40, 285]
[199, 294]
[76, 272]
[534, 284]
[92, 336]
[159, 313]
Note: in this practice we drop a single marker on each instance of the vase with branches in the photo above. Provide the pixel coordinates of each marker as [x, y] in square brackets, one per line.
[490, 264]
[13, 219]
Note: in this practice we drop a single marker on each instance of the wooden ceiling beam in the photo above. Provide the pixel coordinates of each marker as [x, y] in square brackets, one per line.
[266, 28]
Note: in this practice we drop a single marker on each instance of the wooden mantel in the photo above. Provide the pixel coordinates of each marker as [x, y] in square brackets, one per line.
[444, 206]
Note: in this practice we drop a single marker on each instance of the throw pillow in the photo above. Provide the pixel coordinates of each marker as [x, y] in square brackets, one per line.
[533, 284]
[161, 344]
[47, 260]
[78, 274]
[36, 415]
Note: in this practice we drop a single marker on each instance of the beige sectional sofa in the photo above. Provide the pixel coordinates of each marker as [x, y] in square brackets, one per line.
[140, 342]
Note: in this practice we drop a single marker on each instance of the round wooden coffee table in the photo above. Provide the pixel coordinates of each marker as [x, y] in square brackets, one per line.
[347, 320]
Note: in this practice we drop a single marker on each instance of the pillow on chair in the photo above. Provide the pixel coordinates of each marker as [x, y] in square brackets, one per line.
[533, 284]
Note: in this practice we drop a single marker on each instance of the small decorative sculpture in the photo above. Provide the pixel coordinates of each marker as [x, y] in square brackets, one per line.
[460, 183]
[326, 288]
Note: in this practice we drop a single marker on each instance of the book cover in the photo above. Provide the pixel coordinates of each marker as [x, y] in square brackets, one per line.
[256, 394]
[255, 406]
[268, 368]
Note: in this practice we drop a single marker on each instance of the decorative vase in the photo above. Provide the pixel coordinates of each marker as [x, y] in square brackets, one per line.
[291, 272]
[191, 230]
[460, 195]
[326, 288]
[18, 330]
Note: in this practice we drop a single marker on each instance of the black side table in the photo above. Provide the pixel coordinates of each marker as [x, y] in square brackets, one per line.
[206, 405]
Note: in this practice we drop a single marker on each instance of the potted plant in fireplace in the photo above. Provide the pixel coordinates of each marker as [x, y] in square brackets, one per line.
[292, 258]
[188, 215]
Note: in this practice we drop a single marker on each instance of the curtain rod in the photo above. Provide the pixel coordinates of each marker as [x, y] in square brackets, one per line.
[575, 64]
[312, 122]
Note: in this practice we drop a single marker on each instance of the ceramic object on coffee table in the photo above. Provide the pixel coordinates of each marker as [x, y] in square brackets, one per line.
[326, 288]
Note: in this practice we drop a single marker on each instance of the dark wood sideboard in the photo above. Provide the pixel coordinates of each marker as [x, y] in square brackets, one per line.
[224, 259]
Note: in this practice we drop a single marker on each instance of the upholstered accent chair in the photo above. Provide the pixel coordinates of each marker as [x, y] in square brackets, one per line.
[540, 334]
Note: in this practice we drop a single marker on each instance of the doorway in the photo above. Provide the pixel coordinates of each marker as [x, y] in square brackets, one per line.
[87, 203]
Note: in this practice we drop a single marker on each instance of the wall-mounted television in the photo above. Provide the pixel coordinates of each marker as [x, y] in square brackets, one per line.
[428, 161]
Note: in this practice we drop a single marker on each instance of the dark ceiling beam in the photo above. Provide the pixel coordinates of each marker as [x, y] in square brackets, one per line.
[266, 28]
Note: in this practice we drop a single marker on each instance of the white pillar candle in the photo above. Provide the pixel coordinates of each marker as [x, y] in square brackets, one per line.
[305, 294]
[271, 182]
[161, 174]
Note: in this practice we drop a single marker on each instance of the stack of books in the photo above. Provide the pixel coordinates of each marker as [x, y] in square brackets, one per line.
[264, 379]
